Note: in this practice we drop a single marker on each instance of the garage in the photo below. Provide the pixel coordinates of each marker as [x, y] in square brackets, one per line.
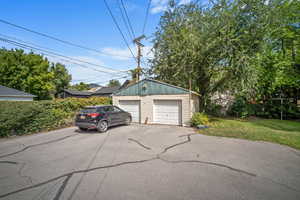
[133, 107]
[155, 102]
[167, 112]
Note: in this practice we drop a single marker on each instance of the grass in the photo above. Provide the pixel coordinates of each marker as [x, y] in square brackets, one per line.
[272, 130]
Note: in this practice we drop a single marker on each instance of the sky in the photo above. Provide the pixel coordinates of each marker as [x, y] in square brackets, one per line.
[89, 24]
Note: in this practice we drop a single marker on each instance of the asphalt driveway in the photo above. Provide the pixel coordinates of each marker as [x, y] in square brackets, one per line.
[145, 162]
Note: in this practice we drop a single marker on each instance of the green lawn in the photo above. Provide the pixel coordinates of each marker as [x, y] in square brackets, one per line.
[271, 130]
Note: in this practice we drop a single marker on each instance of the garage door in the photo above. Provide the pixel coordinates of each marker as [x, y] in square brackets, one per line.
[167, 112]
[133, 107]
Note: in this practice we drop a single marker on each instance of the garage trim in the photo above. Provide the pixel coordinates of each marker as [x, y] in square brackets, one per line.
[172, 114]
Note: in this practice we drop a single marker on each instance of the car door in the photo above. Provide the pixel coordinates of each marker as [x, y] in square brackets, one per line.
[118, 115]
[112, 118]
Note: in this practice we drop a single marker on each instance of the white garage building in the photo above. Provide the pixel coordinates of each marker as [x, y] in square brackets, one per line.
[154, 102]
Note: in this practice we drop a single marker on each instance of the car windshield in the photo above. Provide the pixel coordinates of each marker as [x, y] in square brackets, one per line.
[88, 110]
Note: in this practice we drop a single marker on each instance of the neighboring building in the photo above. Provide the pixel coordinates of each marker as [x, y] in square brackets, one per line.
[106, 91]
[10, 94]
[75, 93]
[155, 102]
[94, 89]
[101, 92]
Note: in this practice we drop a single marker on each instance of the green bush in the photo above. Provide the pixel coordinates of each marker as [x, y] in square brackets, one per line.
[199, 119]
[241, 108]
[18, 118]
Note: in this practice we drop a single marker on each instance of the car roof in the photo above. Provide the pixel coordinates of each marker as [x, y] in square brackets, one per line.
[97, 106]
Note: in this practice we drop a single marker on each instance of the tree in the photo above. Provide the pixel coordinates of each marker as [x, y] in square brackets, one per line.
[218, 47]
[113, 83]
[28, 72]
[80, 86]
[61, 77]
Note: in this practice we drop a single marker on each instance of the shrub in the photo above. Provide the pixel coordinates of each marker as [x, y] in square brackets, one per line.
[241, 108]
[199, 119]
[17, 118]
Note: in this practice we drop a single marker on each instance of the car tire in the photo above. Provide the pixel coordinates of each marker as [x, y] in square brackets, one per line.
[128, 121]
[102, 126]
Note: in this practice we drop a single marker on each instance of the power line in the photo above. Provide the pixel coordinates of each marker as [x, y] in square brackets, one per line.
[146, 16]
[48, 53]
[117, 25]
[122, 3]
[48, 50]
[131, 37]
[59, 40]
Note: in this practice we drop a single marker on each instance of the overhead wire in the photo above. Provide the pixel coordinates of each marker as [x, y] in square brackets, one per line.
[131, 37]
[53, 52]
[118, 27]
[146, 16]
[128, 19]
[59, 40]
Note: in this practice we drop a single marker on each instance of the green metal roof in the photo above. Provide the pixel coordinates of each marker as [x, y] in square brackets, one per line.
[151, 87]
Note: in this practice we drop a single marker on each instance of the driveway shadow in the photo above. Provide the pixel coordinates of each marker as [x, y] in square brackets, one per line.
[94, 131]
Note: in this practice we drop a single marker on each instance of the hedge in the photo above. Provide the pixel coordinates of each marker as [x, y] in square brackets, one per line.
[18, 118]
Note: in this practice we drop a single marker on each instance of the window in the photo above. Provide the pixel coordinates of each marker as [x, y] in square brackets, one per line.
[116, 109]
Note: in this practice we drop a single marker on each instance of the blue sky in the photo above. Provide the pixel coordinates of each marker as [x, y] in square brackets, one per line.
[84, 22]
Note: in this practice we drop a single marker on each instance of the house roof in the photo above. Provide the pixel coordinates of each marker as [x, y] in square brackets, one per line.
[152, 87]
[107, 90]
[76, 92]
[6, 91]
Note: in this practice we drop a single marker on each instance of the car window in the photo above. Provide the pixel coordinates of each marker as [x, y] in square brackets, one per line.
[107, 109]
[116, 109]
[88, 110]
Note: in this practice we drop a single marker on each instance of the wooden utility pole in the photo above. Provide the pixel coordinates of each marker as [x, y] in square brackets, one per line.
[137, 41]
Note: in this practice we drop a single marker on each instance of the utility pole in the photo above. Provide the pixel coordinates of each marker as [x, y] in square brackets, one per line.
[139, 45]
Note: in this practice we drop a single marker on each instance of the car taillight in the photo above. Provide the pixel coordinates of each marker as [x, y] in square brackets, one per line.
[93, 115]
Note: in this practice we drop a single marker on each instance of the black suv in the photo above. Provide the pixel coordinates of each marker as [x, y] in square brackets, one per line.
[101, 117]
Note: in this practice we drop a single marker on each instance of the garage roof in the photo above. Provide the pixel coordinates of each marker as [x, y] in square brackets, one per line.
[151, 87]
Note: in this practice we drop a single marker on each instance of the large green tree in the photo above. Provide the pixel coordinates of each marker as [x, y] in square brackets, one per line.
[31, 73]
[217, 46]
[113, 83]
[61, 77]
[80, 86]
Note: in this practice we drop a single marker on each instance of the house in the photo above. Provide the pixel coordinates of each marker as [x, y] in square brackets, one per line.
[105, 91]
[75, 93]
[101, 92]
[154, 102]
[10, 94]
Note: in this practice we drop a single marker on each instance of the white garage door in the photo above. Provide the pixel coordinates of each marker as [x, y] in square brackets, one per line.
[167, 112]
[133, 107]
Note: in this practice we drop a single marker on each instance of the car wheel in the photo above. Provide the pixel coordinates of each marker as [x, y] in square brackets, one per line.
[102, 126]
[128, 121]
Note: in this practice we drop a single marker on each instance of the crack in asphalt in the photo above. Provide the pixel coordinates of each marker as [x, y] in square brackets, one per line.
[24, 176]
[175, 145]
[34, 145]
[158, 157]
[89, 165]
[9, 162]
[209, 163]
[139, 143]
[74, 172]
[62, 187]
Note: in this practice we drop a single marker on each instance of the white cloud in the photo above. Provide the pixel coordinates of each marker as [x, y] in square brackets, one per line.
[158, 6]
[119, 53]
[181, 2]
[162, 5]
